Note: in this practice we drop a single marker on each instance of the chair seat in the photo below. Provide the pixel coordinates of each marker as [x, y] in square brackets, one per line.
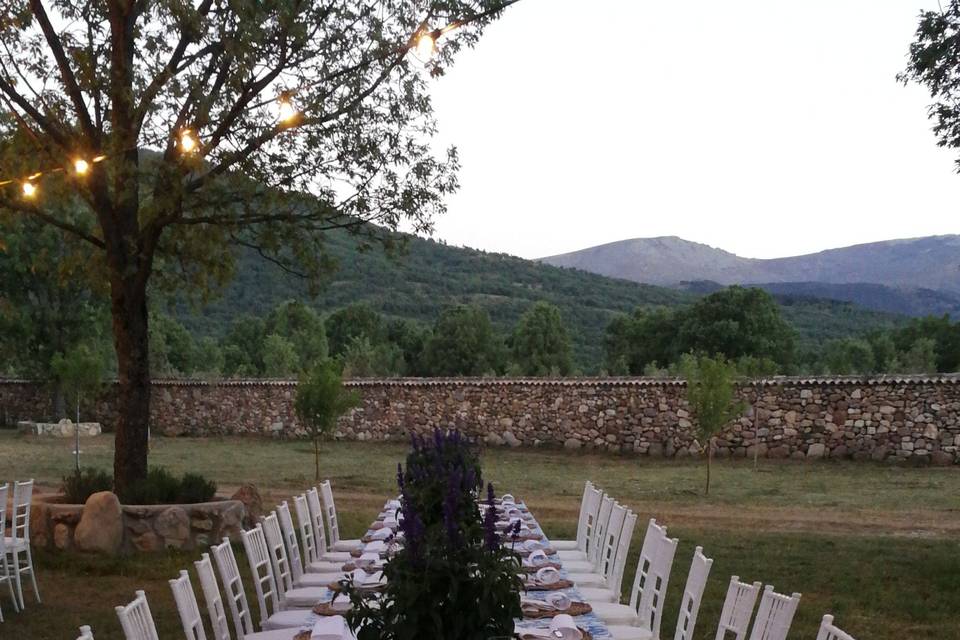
[290, 619]
[624, 632]
[326, 566]
[598, 594]
[306, 597]
[347, 545]
[574, 554]
[564, 545]
[336, 556]
[318, 579]
[612, 613]
[9, 544]
[587, 579]
[578, 566]
[276, 634]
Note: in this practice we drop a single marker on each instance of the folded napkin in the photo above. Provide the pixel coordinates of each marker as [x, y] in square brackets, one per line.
[390, 522]
[547, 575]
[367, 559]
[536, 559]
[562, 627]
[507, 499]
[533, 545]
[377, 546]
[382, 534]
[330, 628]
[554, 601]
[363, 579]
[393, 504]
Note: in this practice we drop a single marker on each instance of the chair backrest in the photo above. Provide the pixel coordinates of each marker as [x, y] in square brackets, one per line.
[306, 528]
[264, 582]
[278, 553]
[187, 607]
[136, 620]
[330, 510]
[211, 593]
[589, 504]
[737, 609]
[3, 516]
[693, 595]
[85, 632]
[828, 631]
[775, 615]
[316, 519]
[650, 610]
[615, 579]
[652, 540]
[290, 536]
[20, 522]
[611, 537]
[600, 530]
[236, 596]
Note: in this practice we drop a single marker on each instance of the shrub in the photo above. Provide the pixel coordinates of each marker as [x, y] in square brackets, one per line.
[195, 488]
[77, 487]
[162, 487]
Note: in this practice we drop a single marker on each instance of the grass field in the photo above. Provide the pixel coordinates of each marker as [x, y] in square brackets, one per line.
[875, 545]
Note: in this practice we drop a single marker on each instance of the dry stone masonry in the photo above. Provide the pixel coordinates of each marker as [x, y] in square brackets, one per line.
[907, 418]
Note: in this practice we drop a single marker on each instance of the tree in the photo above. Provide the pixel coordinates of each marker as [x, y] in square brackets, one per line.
[463, 343]
[173, 109]
[303, 328]
[365, 360]
[541, 344]
[355, 321]
[645, 338]
[78, 373]
[321, 399]
[711, 393]
[849, 356]
[279, 357]
[736, 322]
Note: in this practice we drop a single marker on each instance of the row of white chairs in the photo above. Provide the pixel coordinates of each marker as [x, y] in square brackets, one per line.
[16, 555]
[596, 559]
[290, 573]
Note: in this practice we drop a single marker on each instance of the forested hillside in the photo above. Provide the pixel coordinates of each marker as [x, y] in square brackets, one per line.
[427, 276]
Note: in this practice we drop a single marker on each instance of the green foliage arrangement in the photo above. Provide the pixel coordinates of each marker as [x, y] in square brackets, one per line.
[711, 391]
[452, 578]
[321, 399]
[80, 485]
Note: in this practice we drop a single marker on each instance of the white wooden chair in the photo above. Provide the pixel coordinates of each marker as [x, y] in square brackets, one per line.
[653, 538]
[299, 563]
[580, 543]
[85, 632]
[608, 552]
[186, 603]
[19, 543]
[269, 587]
[775, 615]
[218, 617]
[589, 512]
[641, 619]
[6, 572]
[828, 631]
[333, 525]
[237, 598]
[611, 591]
[281, 563]
[136, 620]
[592, 563]
[737, 609]
[693, 595]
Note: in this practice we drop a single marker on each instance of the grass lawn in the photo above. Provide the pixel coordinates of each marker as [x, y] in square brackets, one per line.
[875, 545]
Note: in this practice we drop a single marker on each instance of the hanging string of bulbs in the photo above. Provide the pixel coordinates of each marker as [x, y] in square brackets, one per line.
[188, 141]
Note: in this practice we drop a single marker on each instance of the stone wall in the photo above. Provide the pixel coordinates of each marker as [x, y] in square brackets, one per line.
[912, 417]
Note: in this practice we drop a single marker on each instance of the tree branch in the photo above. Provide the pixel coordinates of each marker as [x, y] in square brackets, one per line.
[7, 203]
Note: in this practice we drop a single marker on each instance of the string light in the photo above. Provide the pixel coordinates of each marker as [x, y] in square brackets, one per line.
[29, 189]
[426, 46]
[81, 166]
[188, 142]
[286, 110]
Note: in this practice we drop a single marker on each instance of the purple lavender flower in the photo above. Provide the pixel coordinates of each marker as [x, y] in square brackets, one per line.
[491, 496]
[400, 476]
[490, 538]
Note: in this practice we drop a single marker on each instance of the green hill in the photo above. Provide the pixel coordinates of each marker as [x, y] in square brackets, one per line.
[428, 276]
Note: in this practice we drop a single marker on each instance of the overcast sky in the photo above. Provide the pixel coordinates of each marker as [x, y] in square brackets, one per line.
[763, 127]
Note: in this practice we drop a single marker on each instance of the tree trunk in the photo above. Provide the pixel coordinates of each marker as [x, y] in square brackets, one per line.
[130, 338]
[59, 403]
[316, 458]
[709, 461]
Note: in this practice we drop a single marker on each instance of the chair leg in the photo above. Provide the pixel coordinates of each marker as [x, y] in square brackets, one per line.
[16, 576]
[8, 578]
[33, 574]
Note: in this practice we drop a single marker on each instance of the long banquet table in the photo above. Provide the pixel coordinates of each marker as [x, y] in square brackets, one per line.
[589, 622]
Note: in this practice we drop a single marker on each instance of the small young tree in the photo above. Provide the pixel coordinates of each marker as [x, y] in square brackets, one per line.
[711, 393]
[321, 399]
[78, 373]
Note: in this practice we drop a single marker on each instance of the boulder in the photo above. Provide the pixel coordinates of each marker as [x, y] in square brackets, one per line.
[816, 450]
[880, 453]
[494, 440]
[101, 525]
[61, 536]
[252, 504]
[173, 525]
[511, 439]
[571, 443]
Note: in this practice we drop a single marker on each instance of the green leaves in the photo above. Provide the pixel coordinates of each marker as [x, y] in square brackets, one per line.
[321, 399]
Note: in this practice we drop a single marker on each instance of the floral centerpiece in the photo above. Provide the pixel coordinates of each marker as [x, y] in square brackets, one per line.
[452, 578]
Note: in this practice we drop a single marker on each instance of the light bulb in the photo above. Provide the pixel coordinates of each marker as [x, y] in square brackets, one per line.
[187, 141]
[81, 166]
[285, 109]
[29, 189]
[426, 45]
